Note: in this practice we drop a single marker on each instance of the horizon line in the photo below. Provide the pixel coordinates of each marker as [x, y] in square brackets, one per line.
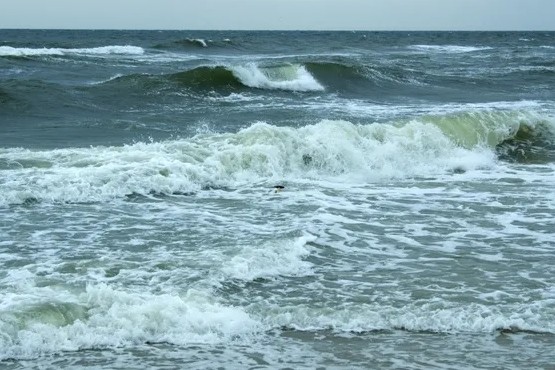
[270, 30]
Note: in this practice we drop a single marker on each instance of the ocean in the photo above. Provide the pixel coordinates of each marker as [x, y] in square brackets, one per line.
[277, 200]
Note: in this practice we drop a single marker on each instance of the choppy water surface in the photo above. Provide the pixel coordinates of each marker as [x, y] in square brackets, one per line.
[139, 224]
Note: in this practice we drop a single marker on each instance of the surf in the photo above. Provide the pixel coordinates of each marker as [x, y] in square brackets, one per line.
[302, 76]
[338, 151]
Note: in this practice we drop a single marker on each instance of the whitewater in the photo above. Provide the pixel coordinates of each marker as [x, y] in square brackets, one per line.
[176, 199]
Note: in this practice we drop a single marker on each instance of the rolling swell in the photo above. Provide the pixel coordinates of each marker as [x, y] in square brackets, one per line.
[337, 76]
[203, 78]
[23, 96]
[207, 78]
[343, 74]
[198, 79]
[301, 77]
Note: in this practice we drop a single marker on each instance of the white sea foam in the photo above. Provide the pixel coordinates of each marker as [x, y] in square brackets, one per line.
[279, 258]
[200, 42]
[102, 50]
[455, 49]
[236, 98]
[288, 77]
[114, 77]
[106, 317]
[330, 150]
[40, 321]
[11, 71]
[432, 317]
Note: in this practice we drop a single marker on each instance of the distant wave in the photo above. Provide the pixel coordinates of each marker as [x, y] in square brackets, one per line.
[530, 70]
[200, 42]
[293, 77]
[333, 150]
[8, 51]
[449, 48]
[290, 77]
[345, 76]
[194, 43]
[300, 77]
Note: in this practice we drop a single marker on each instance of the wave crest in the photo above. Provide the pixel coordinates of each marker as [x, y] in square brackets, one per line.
[453, 49]
[262, 153]
[283, 77]
[286, 77]
[429, 318]
[298, 77]
[8, 51]
[195, 43]
[105, 317]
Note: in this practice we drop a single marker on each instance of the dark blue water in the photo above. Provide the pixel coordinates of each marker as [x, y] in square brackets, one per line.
[67, 88]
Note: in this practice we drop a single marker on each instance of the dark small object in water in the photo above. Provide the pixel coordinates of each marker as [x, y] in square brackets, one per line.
[278, 188]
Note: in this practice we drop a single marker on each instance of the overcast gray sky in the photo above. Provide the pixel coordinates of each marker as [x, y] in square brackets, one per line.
[281, 14]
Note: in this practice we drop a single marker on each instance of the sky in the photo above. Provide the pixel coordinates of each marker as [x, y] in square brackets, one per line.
[280, 14]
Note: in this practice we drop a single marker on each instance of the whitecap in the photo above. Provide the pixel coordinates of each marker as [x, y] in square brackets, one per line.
[455, 49]
[287, 77]
[102, 50]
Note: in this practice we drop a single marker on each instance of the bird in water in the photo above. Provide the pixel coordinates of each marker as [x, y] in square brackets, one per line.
[278, 188]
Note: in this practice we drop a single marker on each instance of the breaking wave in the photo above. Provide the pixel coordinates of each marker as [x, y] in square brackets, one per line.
[262, 153]
[196, 43]
[307, 77]
[289, 77]
[455, 49]
[106, 317]
[8, 51]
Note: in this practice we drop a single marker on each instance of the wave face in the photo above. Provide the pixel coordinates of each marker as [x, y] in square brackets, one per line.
[308, 77]
[287, 77]
[334, 150]
[278, 77]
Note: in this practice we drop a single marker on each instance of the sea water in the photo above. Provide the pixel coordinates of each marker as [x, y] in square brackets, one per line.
[140, 226]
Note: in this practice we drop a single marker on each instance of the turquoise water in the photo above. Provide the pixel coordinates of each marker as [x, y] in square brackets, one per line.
[140, 226]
